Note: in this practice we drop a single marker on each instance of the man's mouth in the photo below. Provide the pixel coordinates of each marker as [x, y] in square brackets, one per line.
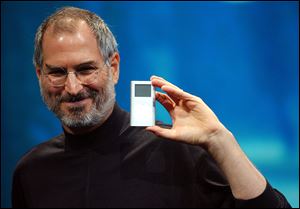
[79, 102]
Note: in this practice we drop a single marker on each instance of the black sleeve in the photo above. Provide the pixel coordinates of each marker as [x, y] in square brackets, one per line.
[270, 198]
[18, 199]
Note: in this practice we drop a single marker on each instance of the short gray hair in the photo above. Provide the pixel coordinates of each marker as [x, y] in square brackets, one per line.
[107, 43]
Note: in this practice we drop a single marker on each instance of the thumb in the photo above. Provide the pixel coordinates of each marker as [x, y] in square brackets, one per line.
[162, 132]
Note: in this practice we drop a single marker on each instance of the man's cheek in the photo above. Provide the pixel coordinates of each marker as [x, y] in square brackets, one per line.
[96, 87]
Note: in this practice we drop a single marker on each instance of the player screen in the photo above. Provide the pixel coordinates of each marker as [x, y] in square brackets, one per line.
[143, 90]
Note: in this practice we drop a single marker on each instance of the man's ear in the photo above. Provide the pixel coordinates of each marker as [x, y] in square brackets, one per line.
[114, 65]
[38, 72]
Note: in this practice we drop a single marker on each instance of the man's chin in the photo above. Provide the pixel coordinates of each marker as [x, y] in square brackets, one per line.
[74, 110]
[78, 121]
[79, 117]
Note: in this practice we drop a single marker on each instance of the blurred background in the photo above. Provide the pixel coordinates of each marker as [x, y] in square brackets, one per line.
[241, 58]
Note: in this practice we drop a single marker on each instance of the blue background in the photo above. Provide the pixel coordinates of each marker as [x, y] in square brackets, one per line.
[241, 58]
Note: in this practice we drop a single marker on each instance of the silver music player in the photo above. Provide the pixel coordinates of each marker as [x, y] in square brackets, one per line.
[142, 107]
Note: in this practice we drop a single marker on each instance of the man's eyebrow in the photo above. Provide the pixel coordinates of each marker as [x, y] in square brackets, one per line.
[84, 64]
[51, 67]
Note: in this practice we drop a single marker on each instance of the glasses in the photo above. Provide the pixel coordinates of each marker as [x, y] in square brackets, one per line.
[58, 76]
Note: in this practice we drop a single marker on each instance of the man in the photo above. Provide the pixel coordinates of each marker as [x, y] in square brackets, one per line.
[100, 161]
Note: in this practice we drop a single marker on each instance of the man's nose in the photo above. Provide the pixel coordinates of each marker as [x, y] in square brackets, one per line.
[73, 85]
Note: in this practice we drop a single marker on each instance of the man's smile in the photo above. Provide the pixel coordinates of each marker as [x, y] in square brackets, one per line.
[77, 103]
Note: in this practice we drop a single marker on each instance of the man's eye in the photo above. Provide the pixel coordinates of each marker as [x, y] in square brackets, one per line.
[57, 73]
[86, 71]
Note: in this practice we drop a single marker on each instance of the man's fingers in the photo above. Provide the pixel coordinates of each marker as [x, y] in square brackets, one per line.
[159, 82]
[170, 88]
[166, 101]
[176, 93]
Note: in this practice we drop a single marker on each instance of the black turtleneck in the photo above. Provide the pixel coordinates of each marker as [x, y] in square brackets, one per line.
[117, 165]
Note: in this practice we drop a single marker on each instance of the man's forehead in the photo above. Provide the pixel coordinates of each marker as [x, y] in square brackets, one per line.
[68, 26]
[67, 49]
[80, 35]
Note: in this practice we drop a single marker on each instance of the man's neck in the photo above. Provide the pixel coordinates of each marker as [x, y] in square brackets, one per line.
[83, 130]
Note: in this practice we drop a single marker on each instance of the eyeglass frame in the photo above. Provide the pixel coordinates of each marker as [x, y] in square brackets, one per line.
[76, 73]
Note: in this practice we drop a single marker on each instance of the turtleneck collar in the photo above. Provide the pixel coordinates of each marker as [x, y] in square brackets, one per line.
[107, 132]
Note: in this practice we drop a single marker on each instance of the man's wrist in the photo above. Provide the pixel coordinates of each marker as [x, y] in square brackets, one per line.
[220, 144]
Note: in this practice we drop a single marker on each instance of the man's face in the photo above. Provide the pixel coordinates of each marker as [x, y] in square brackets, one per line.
[75, 104]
